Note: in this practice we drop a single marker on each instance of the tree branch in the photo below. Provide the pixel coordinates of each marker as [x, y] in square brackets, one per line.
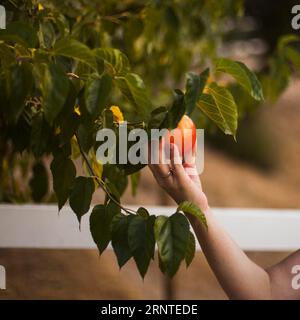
[99, 181]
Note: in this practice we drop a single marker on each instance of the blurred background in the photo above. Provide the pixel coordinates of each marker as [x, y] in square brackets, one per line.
[260, 170]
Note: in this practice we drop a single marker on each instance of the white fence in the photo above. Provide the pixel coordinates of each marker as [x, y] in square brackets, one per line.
[40, 226]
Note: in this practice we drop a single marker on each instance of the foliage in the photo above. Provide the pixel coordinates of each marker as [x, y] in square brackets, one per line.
[63, 64]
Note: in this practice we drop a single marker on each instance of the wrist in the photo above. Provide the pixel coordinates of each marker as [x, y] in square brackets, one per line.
[196, 223]
[201, 202]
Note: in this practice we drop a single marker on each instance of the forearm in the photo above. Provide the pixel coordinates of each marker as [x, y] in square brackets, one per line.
[237, 274]
[240, 277]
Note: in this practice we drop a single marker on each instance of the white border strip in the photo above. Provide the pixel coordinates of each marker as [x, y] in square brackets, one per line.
[40, 226]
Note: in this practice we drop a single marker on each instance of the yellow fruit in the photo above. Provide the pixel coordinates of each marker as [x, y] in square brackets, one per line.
[77, 110]
[118, 115]
[40, 7]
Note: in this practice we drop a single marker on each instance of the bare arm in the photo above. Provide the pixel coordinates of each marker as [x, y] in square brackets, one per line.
[237, 274]
[240, 277]
[285, 279]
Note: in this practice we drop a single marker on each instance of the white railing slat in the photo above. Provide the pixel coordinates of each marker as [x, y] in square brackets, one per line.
[40, 226]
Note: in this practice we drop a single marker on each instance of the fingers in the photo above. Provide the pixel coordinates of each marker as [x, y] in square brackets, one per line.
[182, 171]
[156, 160]
[176, 161]
[161, 168]
[192, 172]
[190, 169]
[190, 156]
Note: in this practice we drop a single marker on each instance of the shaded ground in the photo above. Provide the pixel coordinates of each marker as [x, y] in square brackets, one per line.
[78, 274]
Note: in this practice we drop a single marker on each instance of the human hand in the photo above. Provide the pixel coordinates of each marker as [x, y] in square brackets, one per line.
[180, 180]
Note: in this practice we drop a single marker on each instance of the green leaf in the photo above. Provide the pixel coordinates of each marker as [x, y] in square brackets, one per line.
[158, 115]
[46, 34]
[20, 85]
[55, 87]
[21, 33]
[81, 196]
[39, 182]
[131, 168]
[21, 135]
[161, 265]
[40, 135]
[114, 58]
[119, 237]
[159, 222]
[69, 122]
[7, 56]
[172, 236]
[293, 56]
[286, 40]
[133, 88]
[141, 241]
[194, 87]
[176, 112]
[108, 119]
[74, 49]
[63, 172]
[220, 107]
[100, 224]
[134, 179]
[116, 178]
[246, 78]
[143, 212]
[191, 208]
[86, 135]
[62, 24]
[97, 92]
[278, 79]
[100, 227]
[191, 249]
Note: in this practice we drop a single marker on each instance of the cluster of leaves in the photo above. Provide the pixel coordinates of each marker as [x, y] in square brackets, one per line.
[135, 235]
[63, 64]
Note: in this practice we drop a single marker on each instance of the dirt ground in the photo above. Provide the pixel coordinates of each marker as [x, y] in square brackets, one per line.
[81, 274]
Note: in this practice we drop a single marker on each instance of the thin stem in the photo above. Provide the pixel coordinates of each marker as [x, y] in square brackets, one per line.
[115, 18]
[73, 75]
[99, 181]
